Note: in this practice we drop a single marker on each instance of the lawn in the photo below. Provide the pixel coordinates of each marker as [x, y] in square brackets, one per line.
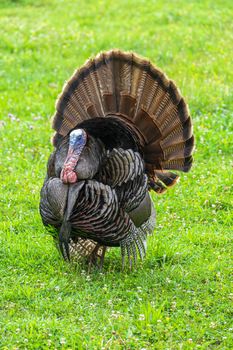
[180, 296]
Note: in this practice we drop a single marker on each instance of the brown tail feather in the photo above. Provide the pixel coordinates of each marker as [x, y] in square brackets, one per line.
[167, 177]
[163, 179]
[132, 89]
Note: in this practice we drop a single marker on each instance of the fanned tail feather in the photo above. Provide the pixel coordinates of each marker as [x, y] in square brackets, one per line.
[130, 88]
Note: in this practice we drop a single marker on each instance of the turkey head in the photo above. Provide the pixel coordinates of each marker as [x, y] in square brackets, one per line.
[78, 157]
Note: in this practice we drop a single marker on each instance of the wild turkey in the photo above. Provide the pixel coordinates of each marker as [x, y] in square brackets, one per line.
[121, 127]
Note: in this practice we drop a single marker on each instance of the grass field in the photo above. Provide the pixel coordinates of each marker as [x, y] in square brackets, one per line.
[181, 296]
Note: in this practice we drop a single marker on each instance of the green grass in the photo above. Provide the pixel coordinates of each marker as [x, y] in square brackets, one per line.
[181, 296]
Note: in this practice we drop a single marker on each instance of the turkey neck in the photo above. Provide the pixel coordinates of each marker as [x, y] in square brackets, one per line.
[77, 141]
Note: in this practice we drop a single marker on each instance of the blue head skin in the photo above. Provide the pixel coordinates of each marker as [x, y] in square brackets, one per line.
[77, 141]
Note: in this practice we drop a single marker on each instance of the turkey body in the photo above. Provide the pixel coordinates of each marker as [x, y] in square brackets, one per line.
[121, 127]
[109, 203]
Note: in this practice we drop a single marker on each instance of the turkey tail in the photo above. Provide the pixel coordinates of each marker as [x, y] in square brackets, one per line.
[130, 88]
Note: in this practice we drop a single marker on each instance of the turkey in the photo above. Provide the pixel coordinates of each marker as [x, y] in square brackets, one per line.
[121, 129]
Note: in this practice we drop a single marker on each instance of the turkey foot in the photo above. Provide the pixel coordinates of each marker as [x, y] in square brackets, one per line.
[93, 258]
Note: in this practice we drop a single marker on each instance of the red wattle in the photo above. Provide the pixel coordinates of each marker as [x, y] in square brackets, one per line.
[68, 176]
